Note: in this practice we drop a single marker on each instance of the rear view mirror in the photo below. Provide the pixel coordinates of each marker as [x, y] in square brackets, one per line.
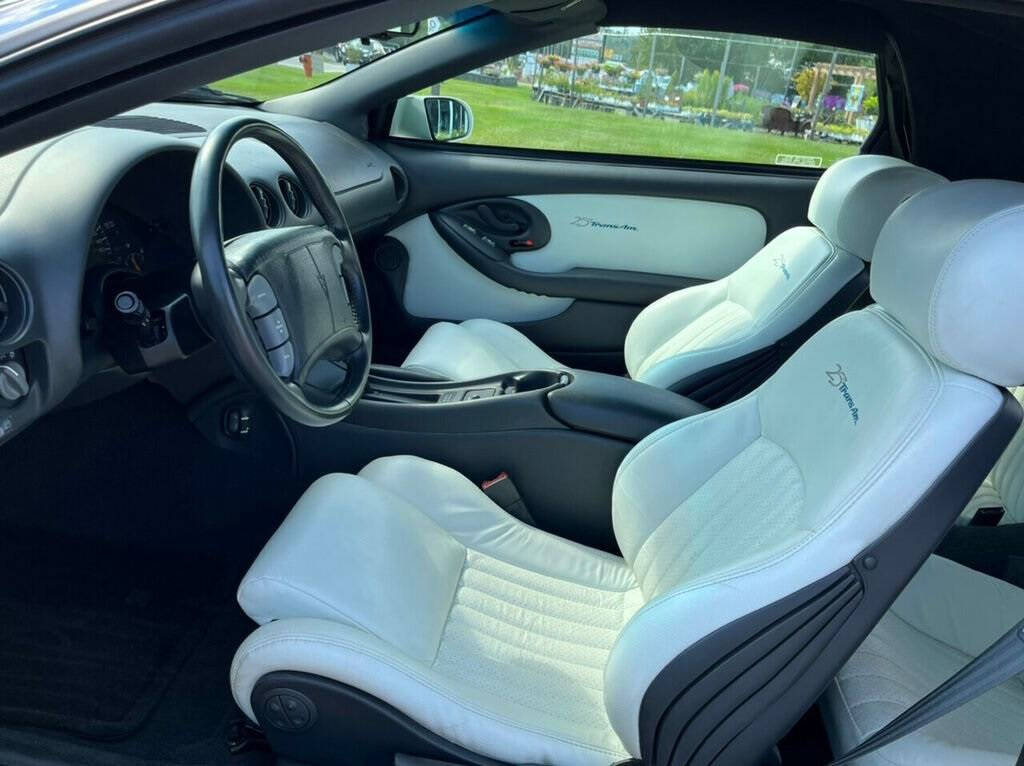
[432, 118]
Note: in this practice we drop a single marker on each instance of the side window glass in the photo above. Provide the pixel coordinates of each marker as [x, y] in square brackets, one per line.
[661, 93]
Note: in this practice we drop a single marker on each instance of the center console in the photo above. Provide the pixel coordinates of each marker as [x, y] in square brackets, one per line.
[560, 436]
[590, 402]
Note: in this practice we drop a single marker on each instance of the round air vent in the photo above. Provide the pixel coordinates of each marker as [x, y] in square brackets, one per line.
[294, 197]
[14, 306]
[268, 205]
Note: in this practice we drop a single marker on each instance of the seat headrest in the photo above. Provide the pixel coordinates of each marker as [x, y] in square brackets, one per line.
[949, 267]
[854, 197]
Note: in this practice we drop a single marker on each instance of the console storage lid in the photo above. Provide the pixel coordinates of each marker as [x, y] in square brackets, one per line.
[617, 407]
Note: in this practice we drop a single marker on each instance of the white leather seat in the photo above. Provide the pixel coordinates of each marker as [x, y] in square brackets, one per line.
[406, 582]
[692, 330]
[946, 616]
[1004, 487]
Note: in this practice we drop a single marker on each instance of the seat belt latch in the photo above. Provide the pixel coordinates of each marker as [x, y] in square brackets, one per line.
[990, 516]
[504, 493]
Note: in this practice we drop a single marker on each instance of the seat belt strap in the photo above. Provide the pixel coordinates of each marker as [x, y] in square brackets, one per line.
[1000, 662]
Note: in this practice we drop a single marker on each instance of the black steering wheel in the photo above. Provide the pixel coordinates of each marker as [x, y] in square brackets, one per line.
[290, 304]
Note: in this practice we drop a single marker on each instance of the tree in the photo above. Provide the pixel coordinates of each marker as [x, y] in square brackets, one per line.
[803, 82]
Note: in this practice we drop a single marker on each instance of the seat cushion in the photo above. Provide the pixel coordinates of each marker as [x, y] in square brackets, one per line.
[476, 348]
[491, 633]
[946, 616]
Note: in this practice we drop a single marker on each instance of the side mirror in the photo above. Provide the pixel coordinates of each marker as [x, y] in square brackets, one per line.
[432, 118]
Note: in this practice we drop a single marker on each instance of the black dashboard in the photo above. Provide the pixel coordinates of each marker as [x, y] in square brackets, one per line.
[103, 211]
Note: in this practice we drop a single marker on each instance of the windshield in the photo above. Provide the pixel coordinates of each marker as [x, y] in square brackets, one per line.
[312, 68]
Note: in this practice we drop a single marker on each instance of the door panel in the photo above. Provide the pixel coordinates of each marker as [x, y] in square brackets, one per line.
[440, 284]
[576, 295]
[491, 246]
[654, 235]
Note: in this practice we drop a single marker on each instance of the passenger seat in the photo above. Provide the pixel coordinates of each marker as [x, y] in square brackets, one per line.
[707, 338]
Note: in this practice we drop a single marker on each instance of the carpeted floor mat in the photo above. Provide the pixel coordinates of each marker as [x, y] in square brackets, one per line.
[92, 634]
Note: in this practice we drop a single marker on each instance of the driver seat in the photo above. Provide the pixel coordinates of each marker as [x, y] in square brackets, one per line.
[401, 611]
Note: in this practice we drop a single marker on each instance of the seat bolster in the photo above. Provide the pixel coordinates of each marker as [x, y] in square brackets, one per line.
[773, 294]
[476, 348]
[475, 521]
[457, 712]
[352, 552]
[660, 321]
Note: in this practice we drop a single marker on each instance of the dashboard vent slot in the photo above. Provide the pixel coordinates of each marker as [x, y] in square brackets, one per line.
[160, 125]
[268, 205]
[14, 307]
[294, 197]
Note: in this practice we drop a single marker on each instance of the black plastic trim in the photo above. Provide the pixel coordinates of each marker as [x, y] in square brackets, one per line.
[644, 160]
[351, 727]
[617, 407]
[730, 697]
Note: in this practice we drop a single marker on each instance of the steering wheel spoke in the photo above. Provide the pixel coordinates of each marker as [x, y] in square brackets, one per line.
[283, 302]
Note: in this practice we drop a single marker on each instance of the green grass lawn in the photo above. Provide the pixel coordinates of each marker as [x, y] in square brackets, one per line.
[271, 81]
[510, 117]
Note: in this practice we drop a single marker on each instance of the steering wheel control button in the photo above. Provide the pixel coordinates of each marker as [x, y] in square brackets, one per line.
[272, 329]
[282, 360]
[261, 298]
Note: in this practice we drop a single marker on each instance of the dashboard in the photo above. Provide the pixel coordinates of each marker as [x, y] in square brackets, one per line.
[102, 213]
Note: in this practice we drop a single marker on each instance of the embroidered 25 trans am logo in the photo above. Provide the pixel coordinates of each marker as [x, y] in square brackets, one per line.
[584, 222]
[837, 378]
[780, 262]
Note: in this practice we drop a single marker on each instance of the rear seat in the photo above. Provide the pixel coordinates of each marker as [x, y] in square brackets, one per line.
[946, 616]
[1004, 487]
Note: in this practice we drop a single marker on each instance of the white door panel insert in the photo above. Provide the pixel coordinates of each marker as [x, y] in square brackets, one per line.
[441, 285]
[656, 235]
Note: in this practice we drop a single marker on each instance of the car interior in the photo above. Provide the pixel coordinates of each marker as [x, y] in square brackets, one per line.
[577, 383]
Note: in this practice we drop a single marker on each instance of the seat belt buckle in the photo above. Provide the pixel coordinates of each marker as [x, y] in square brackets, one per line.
[503, 492]
[989, 516]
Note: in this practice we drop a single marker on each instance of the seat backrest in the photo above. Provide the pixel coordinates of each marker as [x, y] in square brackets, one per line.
[806, 506]
[782, 286]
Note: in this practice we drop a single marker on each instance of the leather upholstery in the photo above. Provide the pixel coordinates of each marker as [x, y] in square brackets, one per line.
[950, 288]
[686, 332]
[407, 582]
[764, 300]
[490, 632]
[947, 615]
[476, 348]
[855, 196]
[791, 480]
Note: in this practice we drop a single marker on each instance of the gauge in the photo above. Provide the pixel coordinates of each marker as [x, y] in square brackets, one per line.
[117, 241]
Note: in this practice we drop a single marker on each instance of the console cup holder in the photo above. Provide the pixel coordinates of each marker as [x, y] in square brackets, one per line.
[538, 380]
[390, 384]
